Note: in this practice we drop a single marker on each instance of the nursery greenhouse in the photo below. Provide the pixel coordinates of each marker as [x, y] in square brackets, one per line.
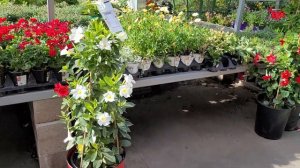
[150, 83]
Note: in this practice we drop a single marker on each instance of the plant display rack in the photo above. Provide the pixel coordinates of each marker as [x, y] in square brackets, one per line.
[141, 82]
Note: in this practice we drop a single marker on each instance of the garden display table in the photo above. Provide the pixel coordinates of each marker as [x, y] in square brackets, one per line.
[45, 111]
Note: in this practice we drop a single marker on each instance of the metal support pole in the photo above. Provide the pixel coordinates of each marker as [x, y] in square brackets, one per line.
[50, 8]
[239, 17]
[277, 4]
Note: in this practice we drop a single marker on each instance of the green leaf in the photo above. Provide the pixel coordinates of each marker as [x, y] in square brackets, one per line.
[284, 93]
[97, 163]
[91, 155]
[109, 157]
[129, 105]
[89, 106]
[125, 143]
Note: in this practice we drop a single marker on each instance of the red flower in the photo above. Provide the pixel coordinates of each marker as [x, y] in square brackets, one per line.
[33, 20]
[23, 44]
[286, 74]
[298, 51]
[298, 79]
[256, 58]
[277, 14]
[266, 77]
[281, 42]
[2, 20]
[271, 58]
[52, 51]
[61, 90]
[70, 46]
[37, 41]
[284, 82]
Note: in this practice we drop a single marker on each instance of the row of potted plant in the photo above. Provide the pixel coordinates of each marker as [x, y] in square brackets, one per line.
[163, 43]
[29, 46]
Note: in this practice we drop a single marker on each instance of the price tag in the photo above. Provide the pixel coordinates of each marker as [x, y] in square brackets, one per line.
[109, 16]
[22, 80]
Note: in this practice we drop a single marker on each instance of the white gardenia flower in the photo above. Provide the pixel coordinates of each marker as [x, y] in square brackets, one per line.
[129, 79]
[67, 51]
[164, 9]
[104, 119]
[76, 34]
[122, 36]
[109, 96]
[195, 14]
[197, 20]
[125, 91]
[104, 44]
[79, 92]
[69, 138]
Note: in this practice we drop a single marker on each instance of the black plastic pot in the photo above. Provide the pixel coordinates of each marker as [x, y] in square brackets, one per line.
[41, 75]
[19, 78]
[270, 122]
[57, 74]
[292, 124]
[2, 76]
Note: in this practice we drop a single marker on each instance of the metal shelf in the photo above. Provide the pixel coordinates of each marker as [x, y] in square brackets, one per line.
[143, 82]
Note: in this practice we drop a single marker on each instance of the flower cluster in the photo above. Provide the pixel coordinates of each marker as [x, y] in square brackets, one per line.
[276, 14]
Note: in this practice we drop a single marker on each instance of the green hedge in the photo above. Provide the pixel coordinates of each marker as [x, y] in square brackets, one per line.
[63, 12]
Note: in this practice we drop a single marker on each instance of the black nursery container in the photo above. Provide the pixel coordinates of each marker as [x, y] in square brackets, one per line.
[2, 76]
[41, 75]
[19, 78]
[270, 122]
[292, 124]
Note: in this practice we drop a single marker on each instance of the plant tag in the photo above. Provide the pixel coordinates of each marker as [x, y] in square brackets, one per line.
[64, 75]
[47, 76]
[22, 80]
[109, 16]
[132, 68]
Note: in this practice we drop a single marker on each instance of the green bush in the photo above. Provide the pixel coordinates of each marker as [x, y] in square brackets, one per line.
[63, 12]
[37, 2]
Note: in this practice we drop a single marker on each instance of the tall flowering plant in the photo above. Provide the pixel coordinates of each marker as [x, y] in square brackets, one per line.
[95, 97]
[276, 73]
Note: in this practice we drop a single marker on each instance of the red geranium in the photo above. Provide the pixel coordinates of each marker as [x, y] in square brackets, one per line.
[298, 51]
[266, 77]
[256, 59]
[33, 20]
[286, 74]
[52, 51]
[281, 42]
[284, 82]
[61, 90]
[298, 79]
[2, 20]
[271, 58]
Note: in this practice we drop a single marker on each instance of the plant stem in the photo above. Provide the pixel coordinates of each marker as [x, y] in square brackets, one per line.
[277, 94]
[117, 138]
[83, 148]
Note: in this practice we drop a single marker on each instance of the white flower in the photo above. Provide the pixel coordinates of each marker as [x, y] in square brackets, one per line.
[69, 138]
[129, 79]
[79, 92]
[125, 90]
[104, 119]
[104, 44]
[76, 34]
[164, 9]
[109, 96]
[122, 36]
[180, 13]
[195, 14]
[67, 51]
[197, 20]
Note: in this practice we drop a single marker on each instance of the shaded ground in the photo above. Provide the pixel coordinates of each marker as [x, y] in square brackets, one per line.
[187, 127]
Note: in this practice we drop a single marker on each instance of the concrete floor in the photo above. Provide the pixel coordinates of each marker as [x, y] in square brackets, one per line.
[192, 126]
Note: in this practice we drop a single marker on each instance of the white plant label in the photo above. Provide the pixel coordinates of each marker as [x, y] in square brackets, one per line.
[158, 63]
[22, 80]
[109, 16]
[174, 61]
[132, 68]
[187, 59]
[199, 58]
[145, 65]
[47, 76]
[64, 75]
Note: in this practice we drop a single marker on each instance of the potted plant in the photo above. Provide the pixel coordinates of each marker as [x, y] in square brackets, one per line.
[94, 106]
[131, 60]
[274, 105]
[187, 37]
[3, 63]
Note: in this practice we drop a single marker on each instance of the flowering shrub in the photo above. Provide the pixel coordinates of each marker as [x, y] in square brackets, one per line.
[94, 106]
[278, 74]
[32, 44]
